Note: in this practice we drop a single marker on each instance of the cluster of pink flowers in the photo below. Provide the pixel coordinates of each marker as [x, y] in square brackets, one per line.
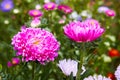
[85, 31]
[107, 11]
[14, 62]
[35, 44]
[52, 6]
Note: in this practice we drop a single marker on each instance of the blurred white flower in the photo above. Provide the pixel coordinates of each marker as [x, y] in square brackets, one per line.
[111, 37]
[16, 11]
[117, 73]
[6, 22]
[86, 13]
[106, 58]
[107, 44]
[35, 23]
[38, 6]
[102, 9]
[69, 66]
[46, 1]
[74, 15]
[96, 77]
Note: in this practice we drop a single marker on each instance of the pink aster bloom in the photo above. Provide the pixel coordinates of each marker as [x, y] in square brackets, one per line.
[66, 9]
[117, 73]
[110, 13]
[15, 61]
[35, 44]
[96, 77]
[69, 66]
[85, 31]
[9, 64]
[35, 13]
[49, 6]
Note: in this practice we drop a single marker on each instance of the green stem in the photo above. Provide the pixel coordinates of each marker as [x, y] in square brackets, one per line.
[33, 71]
[82, 52]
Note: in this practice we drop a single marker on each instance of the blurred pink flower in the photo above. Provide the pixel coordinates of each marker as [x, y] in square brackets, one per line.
[66, 9]
[117, 73]
[49, 6]
[96, 77]
[85, 31]
[9, 64]
[69, 66]
[15, 61]
[110, 13]
[35, 44]
[35, 13]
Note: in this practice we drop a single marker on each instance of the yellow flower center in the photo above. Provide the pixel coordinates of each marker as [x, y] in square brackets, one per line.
[7, 6]
[49, 6]
[35, 12]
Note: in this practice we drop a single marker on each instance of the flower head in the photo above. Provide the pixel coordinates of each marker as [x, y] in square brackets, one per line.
[6, 5]
[35, 13]
[110, 13]
[117, 73]
[66, 9]
[102, 9]
[9, 64]
[85, 31]
[49, 6]
[69, 66]
[35, 44]
[96, 77]
[15, 61]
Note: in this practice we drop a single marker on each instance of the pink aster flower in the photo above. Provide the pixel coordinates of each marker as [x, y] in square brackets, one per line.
[85, 31]
[117, 73]
[110, 13]
[69, 66]
[15, 61]
[35, 44]
[49, 6]
[96, 77]
[66, 9]
[35, 13]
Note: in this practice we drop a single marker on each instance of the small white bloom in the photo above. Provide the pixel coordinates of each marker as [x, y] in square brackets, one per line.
[69, 66]
[16, 11]
[86, 13]
[46, 1]
[107, 44]
[74, 15]
[111, 37]
[117, 73]
[106, 58]
[38, 6]
[6, 22]
[35, 23]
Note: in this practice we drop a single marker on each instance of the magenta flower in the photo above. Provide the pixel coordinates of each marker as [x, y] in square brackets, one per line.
[66, 9]
[35, 44]
[15, 61]
[110, 13]
[96, 77]
[49, 6]
[35, 13]
[9, 64]
[117, 73]
[85, 31]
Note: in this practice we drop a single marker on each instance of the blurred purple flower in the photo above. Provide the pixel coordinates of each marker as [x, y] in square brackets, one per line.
[117, 73]
[35, 44]
[9, 64]
[58, 1]
[50, 6]
[69, 66]
[110, 13]
[102, 9]
[85, 31]
[15, 61]
[66, 9]
[6, 5]
[35, 13]
[96, 77]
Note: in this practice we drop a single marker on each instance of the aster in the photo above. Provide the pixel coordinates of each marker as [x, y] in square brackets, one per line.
[96, 77]
[50, 6]
[85, 31]
[6, 5]
[110, 13]
[117, 73]
[69, 66]
[35, 44]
